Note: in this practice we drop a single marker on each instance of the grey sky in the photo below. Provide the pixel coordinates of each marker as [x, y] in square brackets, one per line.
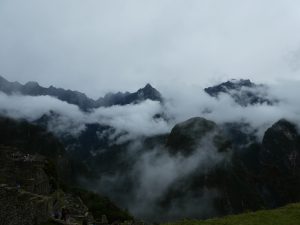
[97, 46]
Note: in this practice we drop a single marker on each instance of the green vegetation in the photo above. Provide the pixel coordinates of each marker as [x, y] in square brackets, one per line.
[288, 215]
[99, 206]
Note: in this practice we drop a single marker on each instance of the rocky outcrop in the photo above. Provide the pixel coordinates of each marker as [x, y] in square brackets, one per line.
[32, 139]
[281, 146]
[243, 92]
[280, 159]
[24, 188]
[23, 170]
[21, 207]
[27, 195]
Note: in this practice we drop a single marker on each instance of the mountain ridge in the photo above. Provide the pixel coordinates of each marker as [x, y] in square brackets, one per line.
[80, 99]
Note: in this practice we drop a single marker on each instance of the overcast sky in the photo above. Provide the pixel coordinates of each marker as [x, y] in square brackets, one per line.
[97, 46]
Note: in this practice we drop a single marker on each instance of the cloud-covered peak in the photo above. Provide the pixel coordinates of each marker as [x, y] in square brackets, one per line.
[143, 94]
[149, 92]
[243, 91]
[225, 87]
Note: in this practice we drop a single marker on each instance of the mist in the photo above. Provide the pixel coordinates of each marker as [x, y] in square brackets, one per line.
[155, 171]
[180, 47]
[136, 120]
[158, 171]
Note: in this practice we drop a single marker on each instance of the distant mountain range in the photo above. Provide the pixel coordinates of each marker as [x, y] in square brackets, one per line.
[77, 98]
[244, 92]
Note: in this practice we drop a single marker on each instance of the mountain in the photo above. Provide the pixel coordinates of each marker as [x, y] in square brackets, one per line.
[243, 92]
[280, 158]
[34, 89]
[38, 181]
[258, 174]
[224, 167]
[77, 98]
[185, 137]
[148, 92]
[240, 173]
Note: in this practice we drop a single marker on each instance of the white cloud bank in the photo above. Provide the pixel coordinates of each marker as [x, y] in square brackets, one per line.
[136, 120]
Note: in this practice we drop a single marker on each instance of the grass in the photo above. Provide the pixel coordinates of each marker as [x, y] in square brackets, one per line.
[99, 205]
[288, 215]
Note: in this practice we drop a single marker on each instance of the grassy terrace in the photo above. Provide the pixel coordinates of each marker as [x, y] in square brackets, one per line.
[288, 215]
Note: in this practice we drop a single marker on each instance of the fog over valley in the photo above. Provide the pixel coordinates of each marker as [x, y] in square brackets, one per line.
[135, 112]
[127, 149]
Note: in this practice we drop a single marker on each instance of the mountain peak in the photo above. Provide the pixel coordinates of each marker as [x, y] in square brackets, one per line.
[148, 86]
[236, 84]
[149, 92]
[243, 91]
[32, 84]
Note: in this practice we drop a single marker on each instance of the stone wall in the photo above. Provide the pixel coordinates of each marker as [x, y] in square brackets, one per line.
[23, 171]
[20, 207]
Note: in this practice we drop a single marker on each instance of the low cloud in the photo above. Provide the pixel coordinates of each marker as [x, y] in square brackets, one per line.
[133, 120]
[68, 117]
[138, 120]
[195, 102]
[155, 171]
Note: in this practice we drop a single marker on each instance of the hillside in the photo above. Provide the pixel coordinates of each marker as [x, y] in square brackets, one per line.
[37, 181]
[288, 215]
